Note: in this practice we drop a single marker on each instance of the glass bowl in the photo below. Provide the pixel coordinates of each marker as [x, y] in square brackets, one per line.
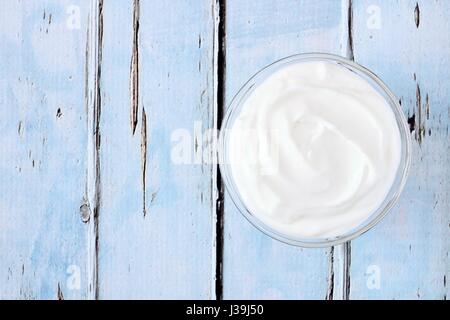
[234, 109]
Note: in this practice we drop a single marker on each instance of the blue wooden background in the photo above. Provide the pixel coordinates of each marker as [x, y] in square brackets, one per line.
[95, 97]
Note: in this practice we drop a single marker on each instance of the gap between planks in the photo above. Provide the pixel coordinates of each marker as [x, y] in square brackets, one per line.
[93, 101]
[339, 257]
[93, 108]
[219, 9]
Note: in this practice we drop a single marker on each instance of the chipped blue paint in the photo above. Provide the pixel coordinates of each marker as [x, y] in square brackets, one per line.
[169, 252]
[257, 34]
[43, 159]
[47, 164]
[407, 254]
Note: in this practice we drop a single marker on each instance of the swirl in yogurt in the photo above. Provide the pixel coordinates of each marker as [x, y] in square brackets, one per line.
[314, 150]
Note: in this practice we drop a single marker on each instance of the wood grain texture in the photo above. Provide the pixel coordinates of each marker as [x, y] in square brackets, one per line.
[258, 33]
[43, 133]
[97, 96]
[408, 45]
[156, 219]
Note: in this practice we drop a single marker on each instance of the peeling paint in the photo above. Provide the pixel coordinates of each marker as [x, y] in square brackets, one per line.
[85, 211]
[445, 287]
[154, 195]
[412, 123]
[59, 295]
[134, 70]
[419, 123]
[20, 129]
[330, 278]
[417, 15]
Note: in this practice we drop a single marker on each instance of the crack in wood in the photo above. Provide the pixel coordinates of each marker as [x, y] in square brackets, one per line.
[134, 69]
[350, 49]
[144, 158]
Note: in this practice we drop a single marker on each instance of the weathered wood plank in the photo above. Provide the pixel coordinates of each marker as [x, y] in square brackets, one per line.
[258, 33]
[156, 217]
[43, 123]
[407, 44]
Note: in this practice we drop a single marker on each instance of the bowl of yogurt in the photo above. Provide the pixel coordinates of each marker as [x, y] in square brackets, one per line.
[314, 150]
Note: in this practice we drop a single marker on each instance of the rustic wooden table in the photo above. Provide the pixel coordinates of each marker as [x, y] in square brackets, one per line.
[95, 97]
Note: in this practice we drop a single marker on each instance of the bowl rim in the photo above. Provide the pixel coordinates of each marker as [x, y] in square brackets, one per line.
[396, 187]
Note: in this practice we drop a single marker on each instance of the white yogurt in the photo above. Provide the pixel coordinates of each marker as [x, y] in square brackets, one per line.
[315, 150]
